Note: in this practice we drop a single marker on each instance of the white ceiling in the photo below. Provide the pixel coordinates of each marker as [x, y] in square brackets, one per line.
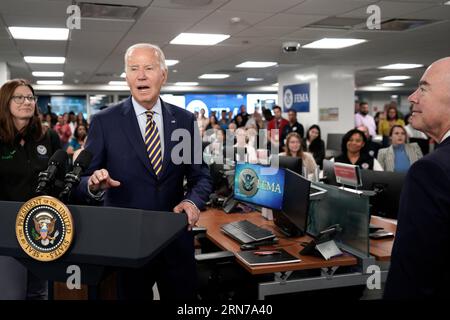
[94, 54]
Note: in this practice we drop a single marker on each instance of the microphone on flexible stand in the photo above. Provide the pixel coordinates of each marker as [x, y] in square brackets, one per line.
[73, 178]
[46, 178]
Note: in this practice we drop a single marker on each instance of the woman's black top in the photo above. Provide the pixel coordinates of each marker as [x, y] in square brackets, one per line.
[20, 165]
[365, 161]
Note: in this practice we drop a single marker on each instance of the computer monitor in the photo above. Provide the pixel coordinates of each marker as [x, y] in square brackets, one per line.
[388, 187]
[334, 141]
[293, 217]
[259, 185]
[291, 163]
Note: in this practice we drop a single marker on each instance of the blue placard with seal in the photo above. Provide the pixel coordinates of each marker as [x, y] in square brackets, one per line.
[296, 97]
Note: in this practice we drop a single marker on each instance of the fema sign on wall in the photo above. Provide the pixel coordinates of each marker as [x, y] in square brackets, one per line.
[296, 97]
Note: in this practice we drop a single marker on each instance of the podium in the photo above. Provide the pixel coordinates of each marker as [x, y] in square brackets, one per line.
[105, 238]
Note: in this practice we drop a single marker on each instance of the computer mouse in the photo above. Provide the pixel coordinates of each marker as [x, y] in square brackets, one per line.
[248, 247]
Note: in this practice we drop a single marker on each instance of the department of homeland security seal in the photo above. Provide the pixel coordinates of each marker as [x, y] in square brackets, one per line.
[248, 182]
[44, 228]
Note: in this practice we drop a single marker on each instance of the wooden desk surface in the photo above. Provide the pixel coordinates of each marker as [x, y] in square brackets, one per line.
[212, 219]
[381, 249]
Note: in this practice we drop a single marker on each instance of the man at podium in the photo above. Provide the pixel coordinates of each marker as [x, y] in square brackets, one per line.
[133, 166]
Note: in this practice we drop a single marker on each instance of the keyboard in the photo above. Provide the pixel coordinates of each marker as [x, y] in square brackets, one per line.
[246, 232]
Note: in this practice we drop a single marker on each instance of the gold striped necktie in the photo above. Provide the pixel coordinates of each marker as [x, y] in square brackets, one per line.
[153, 143]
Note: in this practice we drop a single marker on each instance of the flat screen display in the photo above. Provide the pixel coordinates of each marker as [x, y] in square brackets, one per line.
[259, 185]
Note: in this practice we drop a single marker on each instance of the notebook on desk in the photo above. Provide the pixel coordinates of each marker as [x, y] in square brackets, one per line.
[266, 257]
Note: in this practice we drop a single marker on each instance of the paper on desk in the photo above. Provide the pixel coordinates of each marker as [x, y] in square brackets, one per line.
[328, 249]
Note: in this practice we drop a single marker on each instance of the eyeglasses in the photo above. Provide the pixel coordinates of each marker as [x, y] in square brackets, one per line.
[21, 99]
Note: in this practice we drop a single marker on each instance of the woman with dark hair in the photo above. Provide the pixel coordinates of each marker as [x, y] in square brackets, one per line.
[385, 125]
[25, 150]
[399, 156]
[78, 139]
[314, 144]
[294, 149]
[353, 151]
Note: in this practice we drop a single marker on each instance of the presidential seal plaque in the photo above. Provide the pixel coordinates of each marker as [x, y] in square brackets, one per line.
[44, 228]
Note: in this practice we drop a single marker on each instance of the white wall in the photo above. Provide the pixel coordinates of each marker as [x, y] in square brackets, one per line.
[4, 73]
[330, 87]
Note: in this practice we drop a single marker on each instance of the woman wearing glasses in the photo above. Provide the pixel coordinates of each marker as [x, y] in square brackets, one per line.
[24, 152]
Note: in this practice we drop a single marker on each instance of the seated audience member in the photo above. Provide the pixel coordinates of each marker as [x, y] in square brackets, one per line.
[224, 122]
[212, 122]
[371, 146]
[230, 135]
[214, 151]
[239, 121]
[314, 144]
[78, 140]
[242, 142]
[294, 149]
[417, 136]
[399, 156]
[202, 120]
[81, 120]
[63, 130]
[384, 127]
[353, 151]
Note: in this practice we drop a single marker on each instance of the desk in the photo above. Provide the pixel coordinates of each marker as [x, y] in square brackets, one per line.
[214, 218]
[381, 249]
[284, 280]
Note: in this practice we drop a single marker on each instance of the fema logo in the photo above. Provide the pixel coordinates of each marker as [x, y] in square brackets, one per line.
[42, 150]
[44, 228]
[248, 182]
[288, 98]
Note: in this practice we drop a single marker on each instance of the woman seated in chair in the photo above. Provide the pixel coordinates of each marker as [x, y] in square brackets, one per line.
[354, 152]
[294, 149]
[400, 155]
[315, 144]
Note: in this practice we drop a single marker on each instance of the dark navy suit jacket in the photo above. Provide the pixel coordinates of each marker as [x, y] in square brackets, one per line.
[421, 253]
[117, 145]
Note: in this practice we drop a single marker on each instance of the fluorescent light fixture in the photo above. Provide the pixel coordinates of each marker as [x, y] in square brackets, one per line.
[391, 84]
[256, 64]
[118, 83]
[171, 62]
[447, 3]
[401, 66]
[199, 39]
[333, 43]
[47, 74]
[394, 78]
[186, 83]
[214, 76]
[30, 33]
[49, 82]
[276, 84]
[52, 60]
[255, 79]
[374, 88]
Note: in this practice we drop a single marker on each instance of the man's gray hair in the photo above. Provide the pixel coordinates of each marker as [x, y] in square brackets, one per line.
[159, 53]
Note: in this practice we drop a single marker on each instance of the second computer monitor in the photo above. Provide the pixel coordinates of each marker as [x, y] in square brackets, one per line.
[292, 219]
[291, 163]
[388, 187]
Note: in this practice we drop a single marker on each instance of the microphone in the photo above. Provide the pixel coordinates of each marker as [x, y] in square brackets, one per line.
[55, 164]
[73, 178]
